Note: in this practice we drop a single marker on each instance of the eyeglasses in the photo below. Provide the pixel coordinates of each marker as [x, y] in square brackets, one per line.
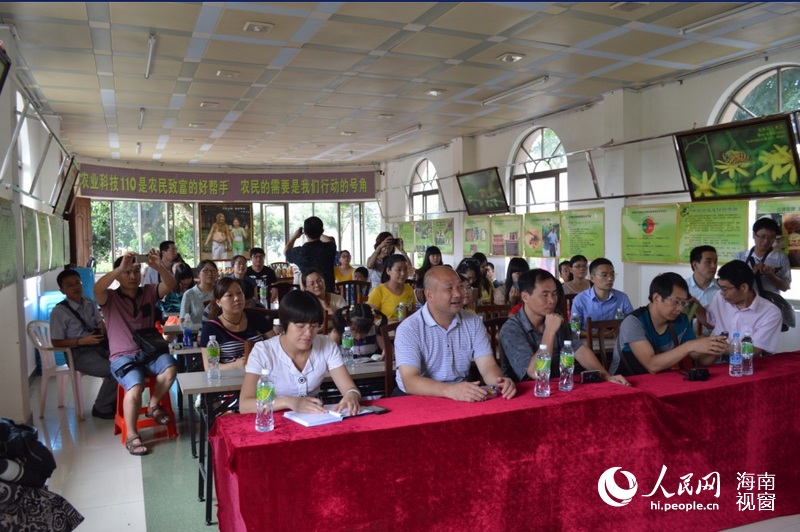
[606, 275]
[209, 272]
[768, 238]
[306, 327]
[73, 284]
[683, 303]
[725, 289]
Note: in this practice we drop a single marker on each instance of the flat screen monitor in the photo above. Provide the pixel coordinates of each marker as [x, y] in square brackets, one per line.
[5, 68]
[67, 184]
[483, 192]
[751, 158]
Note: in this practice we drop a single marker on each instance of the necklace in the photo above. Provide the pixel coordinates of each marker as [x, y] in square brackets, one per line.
[233, 322]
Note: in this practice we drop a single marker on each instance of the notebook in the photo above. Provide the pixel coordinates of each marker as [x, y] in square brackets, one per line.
[312, 420]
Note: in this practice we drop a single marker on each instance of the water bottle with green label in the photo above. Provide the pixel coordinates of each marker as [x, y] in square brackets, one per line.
[542, 388]
[212, 353]
[265, 402]
[566, 367]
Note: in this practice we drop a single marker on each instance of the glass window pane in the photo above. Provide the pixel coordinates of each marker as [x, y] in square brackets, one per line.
[154, 224]
[372, 227]
[329, 214]
[101, 235]
[183, 229]
[350, 231]
[126, 227]
[432, 205]
[274, 238]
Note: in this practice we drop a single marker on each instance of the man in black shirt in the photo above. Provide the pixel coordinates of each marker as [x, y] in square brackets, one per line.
[318, 252]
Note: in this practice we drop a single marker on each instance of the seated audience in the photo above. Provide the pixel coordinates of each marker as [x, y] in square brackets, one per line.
[435, 346]
[433, 257]
[232, 324]
[470, 274]
[564, 271]
[127, 309]
[193, 300]
[361, 320]
[313, 283]
[386, 245]
[579, 267]
[485, 287]
[298, 361]
[393, 290]
[492, 275]
[76, 323]
[771, 266]
[658, 336]
[239, 272]
[702, 283]
[538, 322]
[343, 270]
[260, 273]
[738, 308]
[600, 301]
[184, 278]
[169, 256]
[508, 293]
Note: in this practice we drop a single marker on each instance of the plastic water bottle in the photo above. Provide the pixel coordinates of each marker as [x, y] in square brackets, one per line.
[747, 354]
[188, 334]
[575, 326]
[265, 402]
[542, 388]
[262, 293]
[212, 352]
[401, 311]
[566, 367]
[735, 365]
[348, 343]
[619, 315]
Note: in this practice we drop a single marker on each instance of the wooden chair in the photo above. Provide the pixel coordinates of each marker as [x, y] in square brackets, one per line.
[492, 311]
[567, 306]
[387, 332]
[606, 333]
[354, 292]
[493, 326]
[283, 288]
[39, 335]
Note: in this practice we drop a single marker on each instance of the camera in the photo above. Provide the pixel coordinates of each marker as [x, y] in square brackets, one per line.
[698, 374]
[395, 242]
[591, 375]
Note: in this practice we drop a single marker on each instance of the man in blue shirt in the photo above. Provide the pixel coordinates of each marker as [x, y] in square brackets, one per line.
[601, 301]
[656, 337]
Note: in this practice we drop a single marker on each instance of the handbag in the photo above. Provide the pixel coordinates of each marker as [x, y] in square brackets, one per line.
[150, 341]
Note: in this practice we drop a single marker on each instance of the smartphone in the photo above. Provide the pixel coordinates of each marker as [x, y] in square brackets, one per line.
[491, 391]
[724, 333]
[142, 259]
[591, 375]
[375, 409]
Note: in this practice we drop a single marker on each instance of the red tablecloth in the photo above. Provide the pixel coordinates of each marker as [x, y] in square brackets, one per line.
[525, 463]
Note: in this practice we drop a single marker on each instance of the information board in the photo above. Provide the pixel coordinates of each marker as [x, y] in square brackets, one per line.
[722, 224]
[649, 234]
[476, 235]
[583, 233]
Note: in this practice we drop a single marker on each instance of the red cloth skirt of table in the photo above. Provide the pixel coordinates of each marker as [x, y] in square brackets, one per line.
[527, 463]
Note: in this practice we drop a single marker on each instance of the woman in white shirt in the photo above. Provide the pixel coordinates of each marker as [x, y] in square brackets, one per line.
[298, 361]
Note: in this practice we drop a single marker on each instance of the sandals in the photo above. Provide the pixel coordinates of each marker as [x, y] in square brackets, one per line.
[159, 414]
[136, 449]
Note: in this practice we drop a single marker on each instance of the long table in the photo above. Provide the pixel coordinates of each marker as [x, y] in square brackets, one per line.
[526, 463]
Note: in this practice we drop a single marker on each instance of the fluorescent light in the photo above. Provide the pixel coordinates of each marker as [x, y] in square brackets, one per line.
[151, 46]
[515, 90]
[435, 92]
[510, 57]
[258, 27]
[722, 17]
[141, 117]
[399, 134]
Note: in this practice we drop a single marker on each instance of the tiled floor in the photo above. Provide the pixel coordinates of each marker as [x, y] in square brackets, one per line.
[97, 475]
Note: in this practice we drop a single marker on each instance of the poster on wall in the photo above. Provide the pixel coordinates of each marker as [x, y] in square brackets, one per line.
[225, 230]
[405, 232]
[787, 213]
[30, 245]
[542, 234]
[505, 231]
[583, 233]
[423, 235]
[722, 224]
[8, 240]
[476, 235]
[44, 242]
[443, 235]
[57, 234]
[649, 234]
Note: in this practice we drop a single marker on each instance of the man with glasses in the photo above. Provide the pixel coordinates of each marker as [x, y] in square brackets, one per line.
[737, 308]
[771, 266]
[600, 301]
[658, 336]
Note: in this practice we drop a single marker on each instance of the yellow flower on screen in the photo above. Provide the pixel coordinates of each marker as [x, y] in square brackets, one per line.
[704, 185]
[780, 161]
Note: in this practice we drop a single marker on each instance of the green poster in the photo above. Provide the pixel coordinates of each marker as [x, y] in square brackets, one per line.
[8, 239]
[505, 235]
[44, 242]
[443, 235]
[57, 233]
[405, 231]
[423, 235]
[30, 249]
[787, 213]
[542, 234]
[722, 224]
[476, 235]
[649, 235]
[583, 232]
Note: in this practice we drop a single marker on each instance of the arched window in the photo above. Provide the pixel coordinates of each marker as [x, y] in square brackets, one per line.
[424, 190]
[539, 172]
[776, 90]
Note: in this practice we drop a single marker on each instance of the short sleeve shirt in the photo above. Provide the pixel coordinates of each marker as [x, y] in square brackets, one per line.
[443, 355]
[124, 315]
[289, 381]
[761, 319]
[636, 328]
[775, 259]
[231, 346]
[64, 324]
[318, 254]
[520, 340]
[192, 303]
[587, 305]
[384, 300]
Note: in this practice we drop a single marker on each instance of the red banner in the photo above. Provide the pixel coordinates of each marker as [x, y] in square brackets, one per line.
[133, 184]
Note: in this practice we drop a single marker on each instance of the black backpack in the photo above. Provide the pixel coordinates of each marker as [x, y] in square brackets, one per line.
[19, 443]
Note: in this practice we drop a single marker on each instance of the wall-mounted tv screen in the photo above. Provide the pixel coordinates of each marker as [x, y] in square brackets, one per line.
[67, 184]
[482, 192]
[5, 68]
[751, 158]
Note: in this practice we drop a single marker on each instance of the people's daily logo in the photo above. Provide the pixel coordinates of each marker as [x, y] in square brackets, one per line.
[611, 493]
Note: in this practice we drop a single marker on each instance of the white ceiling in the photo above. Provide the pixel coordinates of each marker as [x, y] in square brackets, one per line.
[362, 68]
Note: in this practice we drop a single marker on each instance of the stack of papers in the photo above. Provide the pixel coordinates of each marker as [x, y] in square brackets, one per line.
[313, 420]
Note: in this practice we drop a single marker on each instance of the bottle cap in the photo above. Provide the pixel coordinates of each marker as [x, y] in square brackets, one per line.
[212, 337]
[542, 347]
[264, 371]
[567, 343]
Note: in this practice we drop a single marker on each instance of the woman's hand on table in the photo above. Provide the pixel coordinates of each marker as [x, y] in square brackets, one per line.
[349, 402]
[306, 404]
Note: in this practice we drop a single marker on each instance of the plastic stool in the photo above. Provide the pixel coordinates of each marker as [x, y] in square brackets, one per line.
[144, 422]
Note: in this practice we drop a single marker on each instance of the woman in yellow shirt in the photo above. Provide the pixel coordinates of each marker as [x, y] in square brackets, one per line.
[393, 289]
[343, 271]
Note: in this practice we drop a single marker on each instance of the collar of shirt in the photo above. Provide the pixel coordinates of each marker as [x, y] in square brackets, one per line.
[431, 322]
[611, 295]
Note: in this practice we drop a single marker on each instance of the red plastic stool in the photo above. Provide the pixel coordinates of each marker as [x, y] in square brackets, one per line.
[144, 422]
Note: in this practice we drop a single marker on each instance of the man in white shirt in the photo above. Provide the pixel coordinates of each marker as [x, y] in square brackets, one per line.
[737, 308]
[702, 283]
[770, 265]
